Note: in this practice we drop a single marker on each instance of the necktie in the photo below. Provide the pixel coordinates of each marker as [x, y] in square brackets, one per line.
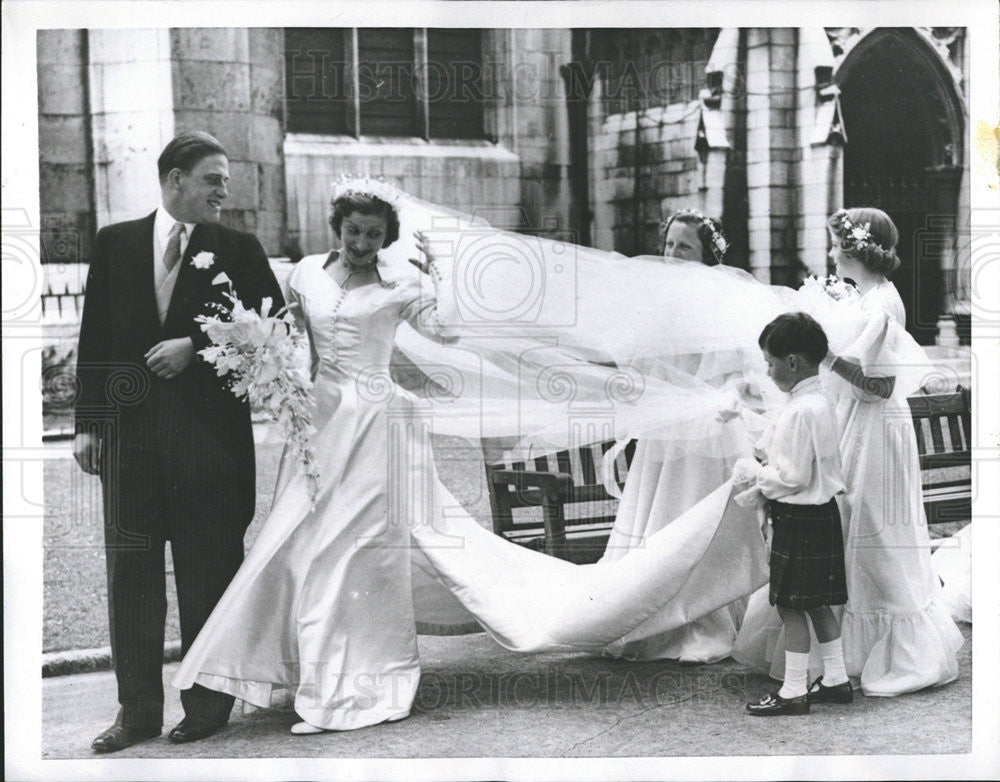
[173, 252]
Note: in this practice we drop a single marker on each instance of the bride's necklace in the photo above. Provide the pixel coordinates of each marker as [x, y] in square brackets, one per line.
[352, 270]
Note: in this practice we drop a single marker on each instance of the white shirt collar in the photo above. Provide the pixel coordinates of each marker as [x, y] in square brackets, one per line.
[806, 386]
[162, 224]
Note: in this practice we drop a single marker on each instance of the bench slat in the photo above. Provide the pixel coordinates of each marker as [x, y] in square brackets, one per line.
[589, 475]
[942, 423]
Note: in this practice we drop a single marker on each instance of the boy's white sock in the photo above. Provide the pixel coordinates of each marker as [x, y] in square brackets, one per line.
[796, 675]
[834, 672]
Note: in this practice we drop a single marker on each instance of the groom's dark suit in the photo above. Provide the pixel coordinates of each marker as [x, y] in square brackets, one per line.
[177, 456]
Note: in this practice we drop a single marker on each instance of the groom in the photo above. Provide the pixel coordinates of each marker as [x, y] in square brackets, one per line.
[173, 447]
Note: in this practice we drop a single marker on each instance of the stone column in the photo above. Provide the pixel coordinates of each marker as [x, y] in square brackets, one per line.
[229, 82]
[131, 117]
[541, 126]
[66, 177]
[772, 153]
[820, 136]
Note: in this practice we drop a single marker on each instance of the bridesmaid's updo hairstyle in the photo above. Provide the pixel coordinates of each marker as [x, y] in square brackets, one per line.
[367, 204]
[713, 241]
[795, 332]
[869, 236]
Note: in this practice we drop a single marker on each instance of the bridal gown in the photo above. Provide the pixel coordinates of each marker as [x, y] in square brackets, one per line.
[328, 600]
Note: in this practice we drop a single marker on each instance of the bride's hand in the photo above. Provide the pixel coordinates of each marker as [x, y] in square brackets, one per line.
[425, 265]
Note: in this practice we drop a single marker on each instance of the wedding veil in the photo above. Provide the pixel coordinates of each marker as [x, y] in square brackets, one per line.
[560, 345]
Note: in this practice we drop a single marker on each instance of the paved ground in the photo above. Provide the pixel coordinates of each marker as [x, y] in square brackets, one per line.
[479, 700]
[475, 699]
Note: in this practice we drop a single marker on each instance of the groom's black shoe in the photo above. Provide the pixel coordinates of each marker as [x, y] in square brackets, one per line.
[123, 734]
[194, 729]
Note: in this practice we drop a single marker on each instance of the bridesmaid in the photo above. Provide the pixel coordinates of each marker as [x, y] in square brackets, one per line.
[664, 480]
[898, 635]
[688, 235]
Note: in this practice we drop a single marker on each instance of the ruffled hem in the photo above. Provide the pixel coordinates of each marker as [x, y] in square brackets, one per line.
[886, 654]
[894, 654]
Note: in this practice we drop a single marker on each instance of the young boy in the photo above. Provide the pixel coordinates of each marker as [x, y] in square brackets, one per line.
[801, 475]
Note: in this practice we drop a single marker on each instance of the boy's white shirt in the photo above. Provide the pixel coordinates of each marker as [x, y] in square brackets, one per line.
[803, 458]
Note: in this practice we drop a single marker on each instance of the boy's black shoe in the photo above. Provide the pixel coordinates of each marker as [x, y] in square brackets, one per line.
[774, 705]
[838, 693]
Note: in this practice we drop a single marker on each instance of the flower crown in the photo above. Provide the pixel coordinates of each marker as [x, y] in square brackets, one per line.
[854, 236]
[358, 184]
[719, 245]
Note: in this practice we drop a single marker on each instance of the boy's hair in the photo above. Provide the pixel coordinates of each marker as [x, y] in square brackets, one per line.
[795, 332]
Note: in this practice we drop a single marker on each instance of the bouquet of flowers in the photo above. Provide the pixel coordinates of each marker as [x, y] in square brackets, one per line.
[832, 286]
[256, 353]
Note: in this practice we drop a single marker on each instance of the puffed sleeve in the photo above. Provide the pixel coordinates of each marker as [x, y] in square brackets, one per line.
[884, 348]
[792, 457]
[296, 303]
[293, 299]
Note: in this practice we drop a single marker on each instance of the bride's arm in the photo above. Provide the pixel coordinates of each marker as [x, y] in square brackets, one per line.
[423, 309]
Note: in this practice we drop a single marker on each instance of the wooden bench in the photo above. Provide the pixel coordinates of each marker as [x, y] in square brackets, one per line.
[551, 483]
[942, 423]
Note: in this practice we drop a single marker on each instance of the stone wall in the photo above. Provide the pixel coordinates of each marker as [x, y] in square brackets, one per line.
[535, 102]
[230, 83]
[474, 178]
[669, 175]
[66, 176]
[110, 100]
[131, 118]
[772, 153]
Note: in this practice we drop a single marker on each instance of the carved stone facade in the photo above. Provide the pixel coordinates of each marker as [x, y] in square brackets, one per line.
[792, 124]
[592, 135]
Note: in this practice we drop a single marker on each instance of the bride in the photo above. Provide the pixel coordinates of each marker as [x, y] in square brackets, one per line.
[327, 602]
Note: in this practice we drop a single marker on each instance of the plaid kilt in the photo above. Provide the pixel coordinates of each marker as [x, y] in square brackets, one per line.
[807, 556]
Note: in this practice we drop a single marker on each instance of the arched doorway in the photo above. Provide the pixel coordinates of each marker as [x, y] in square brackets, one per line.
[903, 154]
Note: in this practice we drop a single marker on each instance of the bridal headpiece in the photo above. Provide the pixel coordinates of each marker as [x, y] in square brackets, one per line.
[346, 184]
[718, 242]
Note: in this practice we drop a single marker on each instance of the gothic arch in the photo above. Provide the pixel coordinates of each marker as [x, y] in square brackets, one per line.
[905, 149]
[941, 100]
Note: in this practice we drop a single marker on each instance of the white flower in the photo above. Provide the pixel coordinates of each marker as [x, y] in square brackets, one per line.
[203, 260]
[220, 279]
[837, 289]
[253, 351]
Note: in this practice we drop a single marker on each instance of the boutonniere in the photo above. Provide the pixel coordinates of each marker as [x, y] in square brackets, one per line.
[203, 260]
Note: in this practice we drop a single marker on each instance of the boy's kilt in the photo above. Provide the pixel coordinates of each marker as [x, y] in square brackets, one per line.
[807, 556]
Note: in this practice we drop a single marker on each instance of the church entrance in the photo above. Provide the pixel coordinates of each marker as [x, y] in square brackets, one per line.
[903, 155]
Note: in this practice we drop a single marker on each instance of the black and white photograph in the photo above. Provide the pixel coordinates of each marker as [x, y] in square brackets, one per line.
[468, 390]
